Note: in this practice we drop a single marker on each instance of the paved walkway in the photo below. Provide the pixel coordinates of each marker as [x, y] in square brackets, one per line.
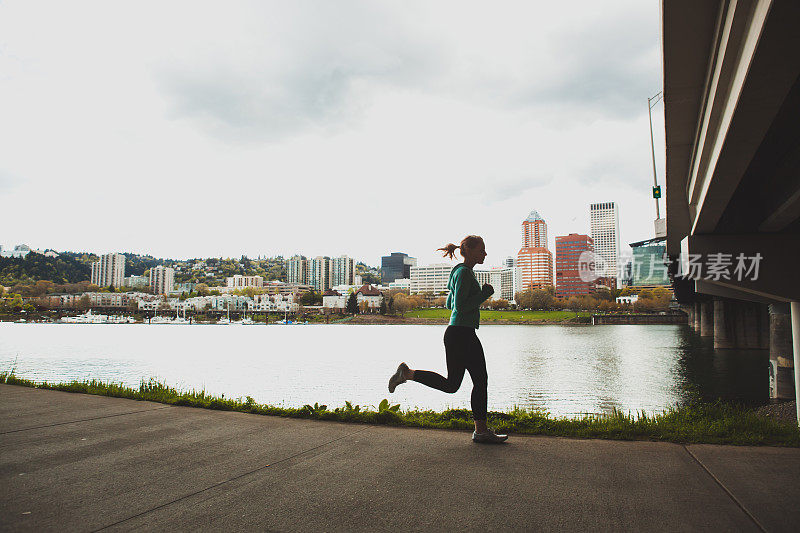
[83, 463]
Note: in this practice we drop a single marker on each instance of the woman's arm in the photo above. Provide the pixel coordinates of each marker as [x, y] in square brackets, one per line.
[464, 302]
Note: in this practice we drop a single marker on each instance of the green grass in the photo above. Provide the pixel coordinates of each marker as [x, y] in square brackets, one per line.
[487, 314]
[716, 423]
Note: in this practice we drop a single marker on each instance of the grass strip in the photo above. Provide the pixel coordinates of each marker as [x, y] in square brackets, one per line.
[490, 314]
[697, 422]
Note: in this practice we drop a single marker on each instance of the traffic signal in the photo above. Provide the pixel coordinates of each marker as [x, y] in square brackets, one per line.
[657, 191]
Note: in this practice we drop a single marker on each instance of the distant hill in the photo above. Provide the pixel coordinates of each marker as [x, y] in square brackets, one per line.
[35, 267]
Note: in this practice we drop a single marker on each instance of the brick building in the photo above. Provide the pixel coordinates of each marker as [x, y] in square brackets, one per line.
[568, 251]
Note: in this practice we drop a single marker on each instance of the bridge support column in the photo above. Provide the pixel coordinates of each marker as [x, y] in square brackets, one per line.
[739, 324]
[723, 325]
[796, 344]
[781, 360]
[707, 319]
[752, 328]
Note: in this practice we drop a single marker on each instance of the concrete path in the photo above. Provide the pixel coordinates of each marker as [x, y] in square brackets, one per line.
[75, 462]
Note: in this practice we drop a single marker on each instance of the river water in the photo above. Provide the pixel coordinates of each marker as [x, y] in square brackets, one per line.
[565, 370]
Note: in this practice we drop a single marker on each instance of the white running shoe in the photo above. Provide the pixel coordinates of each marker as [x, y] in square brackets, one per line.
[398, 377]
[490, 437]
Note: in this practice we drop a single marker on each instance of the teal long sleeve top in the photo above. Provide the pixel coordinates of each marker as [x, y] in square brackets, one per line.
[465, 297]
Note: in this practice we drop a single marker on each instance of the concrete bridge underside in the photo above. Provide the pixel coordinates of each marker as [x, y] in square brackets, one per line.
[732, 110]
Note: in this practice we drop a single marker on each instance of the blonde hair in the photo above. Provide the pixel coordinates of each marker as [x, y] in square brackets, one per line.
[470, 241]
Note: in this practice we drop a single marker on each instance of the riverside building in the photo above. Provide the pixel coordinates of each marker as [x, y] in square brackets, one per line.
[534, 258]
[238, 281]
[605, 233]
[297, 270]
[501, 279]
[343, 271]
[109, 270]
[396, 266]
[137, 282]
[162, 279]
[320, 273]
[431, 278]
[648, 265]
[568, 252]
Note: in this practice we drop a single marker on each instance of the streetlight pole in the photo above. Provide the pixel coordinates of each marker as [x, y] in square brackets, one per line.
[651, 102]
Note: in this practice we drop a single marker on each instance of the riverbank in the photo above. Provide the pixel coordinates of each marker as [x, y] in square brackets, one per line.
[435, 316]
[714, 423]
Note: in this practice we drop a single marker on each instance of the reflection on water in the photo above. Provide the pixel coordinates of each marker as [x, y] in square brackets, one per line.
[561, 369]
[741, 375]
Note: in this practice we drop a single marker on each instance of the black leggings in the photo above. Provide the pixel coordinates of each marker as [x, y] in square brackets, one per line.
[464, 352]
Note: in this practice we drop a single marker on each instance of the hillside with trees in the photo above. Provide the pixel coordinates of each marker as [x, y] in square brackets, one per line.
[36, 267]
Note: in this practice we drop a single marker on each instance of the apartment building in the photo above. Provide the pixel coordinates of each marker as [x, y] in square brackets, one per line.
[237, 281]
[109, 270]
[297, 270]
[162, 279]
[343, 270]
[502, 280]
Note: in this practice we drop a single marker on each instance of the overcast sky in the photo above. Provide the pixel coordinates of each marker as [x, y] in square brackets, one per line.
[193, 129]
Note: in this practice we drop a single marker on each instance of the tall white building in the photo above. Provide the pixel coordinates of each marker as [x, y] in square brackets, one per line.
[502, 279]
[162, 279]
[431, 278]
[605, 232]
[319, 273]
[343, 271]
[297, 270]
[109, 270]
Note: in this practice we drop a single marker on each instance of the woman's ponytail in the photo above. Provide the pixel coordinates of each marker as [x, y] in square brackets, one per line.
[470, 241]
[449, 250]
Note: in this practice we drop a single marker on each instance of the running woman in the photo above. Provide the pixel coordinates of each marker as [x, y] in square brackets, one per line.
[463, 349]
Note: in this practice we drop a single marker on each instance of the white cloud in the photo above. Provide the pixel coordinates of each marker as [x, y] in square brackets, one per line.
[192, 129]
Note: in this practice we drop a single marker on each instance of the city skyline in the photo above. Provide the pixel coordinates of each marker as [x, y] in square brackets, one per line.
[541, 108]
[498, 259]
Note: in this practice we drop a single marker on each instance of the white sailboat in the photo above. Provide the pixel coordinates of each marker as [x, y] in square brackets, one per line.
[224, 321]
[180, 320]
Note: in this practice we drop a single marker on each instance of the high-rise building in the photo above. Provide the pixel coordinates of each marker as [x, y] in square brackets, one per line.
[109, 270]
[297, 270]
[162, 279]
[501, 279]
[319, 273]
[396, 266]
[509, 261]
[343, 271]
[568, 251]
[431, 278]
[534, 258]
[604, 219]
